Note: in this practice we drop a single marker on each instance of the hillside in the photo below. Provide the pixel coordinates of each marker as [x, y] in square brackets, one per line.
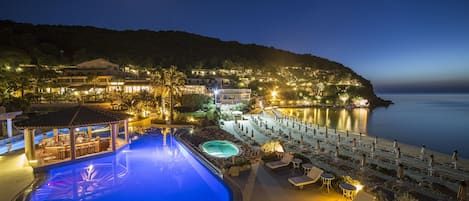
[52, 45]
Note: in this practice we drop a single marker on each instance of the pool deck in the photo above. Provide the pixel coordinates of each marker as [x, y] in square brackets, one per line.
[15, 174]
[264, 184]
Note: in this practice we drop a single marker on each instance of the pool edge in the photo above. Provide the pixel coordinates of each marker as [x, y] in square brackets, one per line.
[234, 191]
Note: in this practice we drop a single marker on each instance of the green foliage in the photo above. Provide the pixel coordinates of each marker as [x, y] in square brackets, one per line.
[51, 45]
[194, 101]
[16, 104]
[45, 44]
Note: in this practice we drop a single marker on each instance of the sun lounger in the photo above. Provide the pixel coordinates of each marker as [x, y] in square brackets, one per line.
[312, 177]
[364, 196]
[285, 161]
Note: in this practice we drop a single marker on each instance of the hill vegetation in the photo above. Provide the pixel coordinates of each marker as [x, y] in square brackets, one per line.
[22, 43]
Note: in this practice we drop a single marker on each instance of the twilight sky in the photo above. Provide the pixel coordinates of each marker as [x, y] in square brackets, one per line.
[420, 45]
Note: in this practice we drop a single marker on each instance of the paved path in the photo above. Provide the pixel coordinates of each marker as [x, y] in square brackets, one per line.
[15, 174]
[263, 184]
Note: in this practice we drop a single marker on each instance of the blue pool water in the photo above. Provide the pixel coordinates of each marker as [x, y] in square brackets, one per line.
[220, 148]
[146, 170]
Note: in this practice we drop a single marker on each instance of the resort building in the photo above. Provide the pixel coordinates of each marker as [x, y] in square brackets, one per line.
[194, 89]
[233, 96]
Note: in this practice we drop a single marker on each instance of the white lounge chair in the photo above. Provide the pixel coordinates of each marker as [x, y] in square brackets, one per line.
[285, 161]
[364, 196]
[312, 177]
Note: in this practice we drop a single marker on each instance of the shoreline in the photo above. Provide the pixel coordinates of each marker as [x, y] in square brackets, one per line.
[440, 180]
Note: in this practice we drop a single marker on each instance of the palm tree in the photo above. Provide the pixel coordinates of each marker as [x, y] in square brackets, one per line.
[158, 89]
[173, 80]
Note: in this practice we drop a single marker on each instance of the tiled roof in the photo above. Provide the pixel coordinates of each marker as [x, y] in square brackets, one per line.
[72, 117]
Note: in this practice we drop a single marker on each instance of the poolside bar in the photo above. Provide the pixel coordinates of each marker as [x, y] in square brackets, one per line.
[77, 132]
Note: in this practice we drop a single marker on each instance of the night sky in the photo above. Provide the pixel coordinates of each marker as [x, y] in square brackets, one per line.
[419, 45]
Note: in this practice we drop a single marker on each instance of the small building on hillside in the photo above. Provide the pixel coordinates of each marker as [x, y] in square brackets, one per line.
[233, 96]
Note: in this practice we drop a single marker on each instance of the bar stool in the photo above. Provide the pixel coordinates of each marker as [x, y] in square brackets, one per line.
[67, 151]
[84, 150]
[90, 148]
[78, 150]
[61, 153]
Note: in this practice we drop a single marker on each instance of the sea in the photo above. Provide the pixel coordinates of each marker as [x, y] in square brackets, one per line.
[438, 121]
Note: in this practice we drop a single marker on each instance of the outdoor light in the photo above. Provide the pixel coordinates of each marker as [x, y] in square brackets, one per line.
[274, 94]
[359, 187]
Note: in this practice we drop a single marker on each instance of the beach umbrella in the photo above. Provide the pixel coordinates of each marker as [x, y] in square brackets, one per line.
[326, 131]
[289, 135]
[287, 123]
[373, 149]
[299, 126]
[338, 139]
[293, 125]
[301, 138]
[422, 152]
[306, 129]
[354, 143]
[360, 138]
[346, 133]
[376, 140]
[430, 161]
[337, 151]
[394, 145]
[455, 158]
[462, 191]
[398, 155]
[430, 165]
[314, 131]
[400, 171]
[247, 131]
[252, 133]
[272, 128]
[363, 162]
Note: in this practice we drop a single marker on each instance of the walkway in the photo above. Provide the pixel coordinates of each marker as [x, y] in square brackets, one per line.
[267, 185]
[15, 174]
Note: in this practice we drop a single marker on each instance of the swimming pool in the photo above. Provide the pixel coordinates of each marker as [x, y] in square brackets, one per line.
[146, 170]
[220, 148]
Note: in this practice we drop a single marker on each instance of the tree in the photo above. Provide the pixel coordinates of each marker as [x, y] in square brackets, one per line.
[194, 101]
[173, 80]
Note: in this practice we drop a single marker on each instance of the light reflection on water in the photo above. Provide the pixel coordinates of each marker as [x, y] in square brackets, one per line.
[354, 120]
[146, 170]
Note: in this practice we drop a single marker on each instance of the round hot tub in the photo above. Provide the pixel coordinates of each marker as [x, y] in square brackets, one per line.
[220, 148]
